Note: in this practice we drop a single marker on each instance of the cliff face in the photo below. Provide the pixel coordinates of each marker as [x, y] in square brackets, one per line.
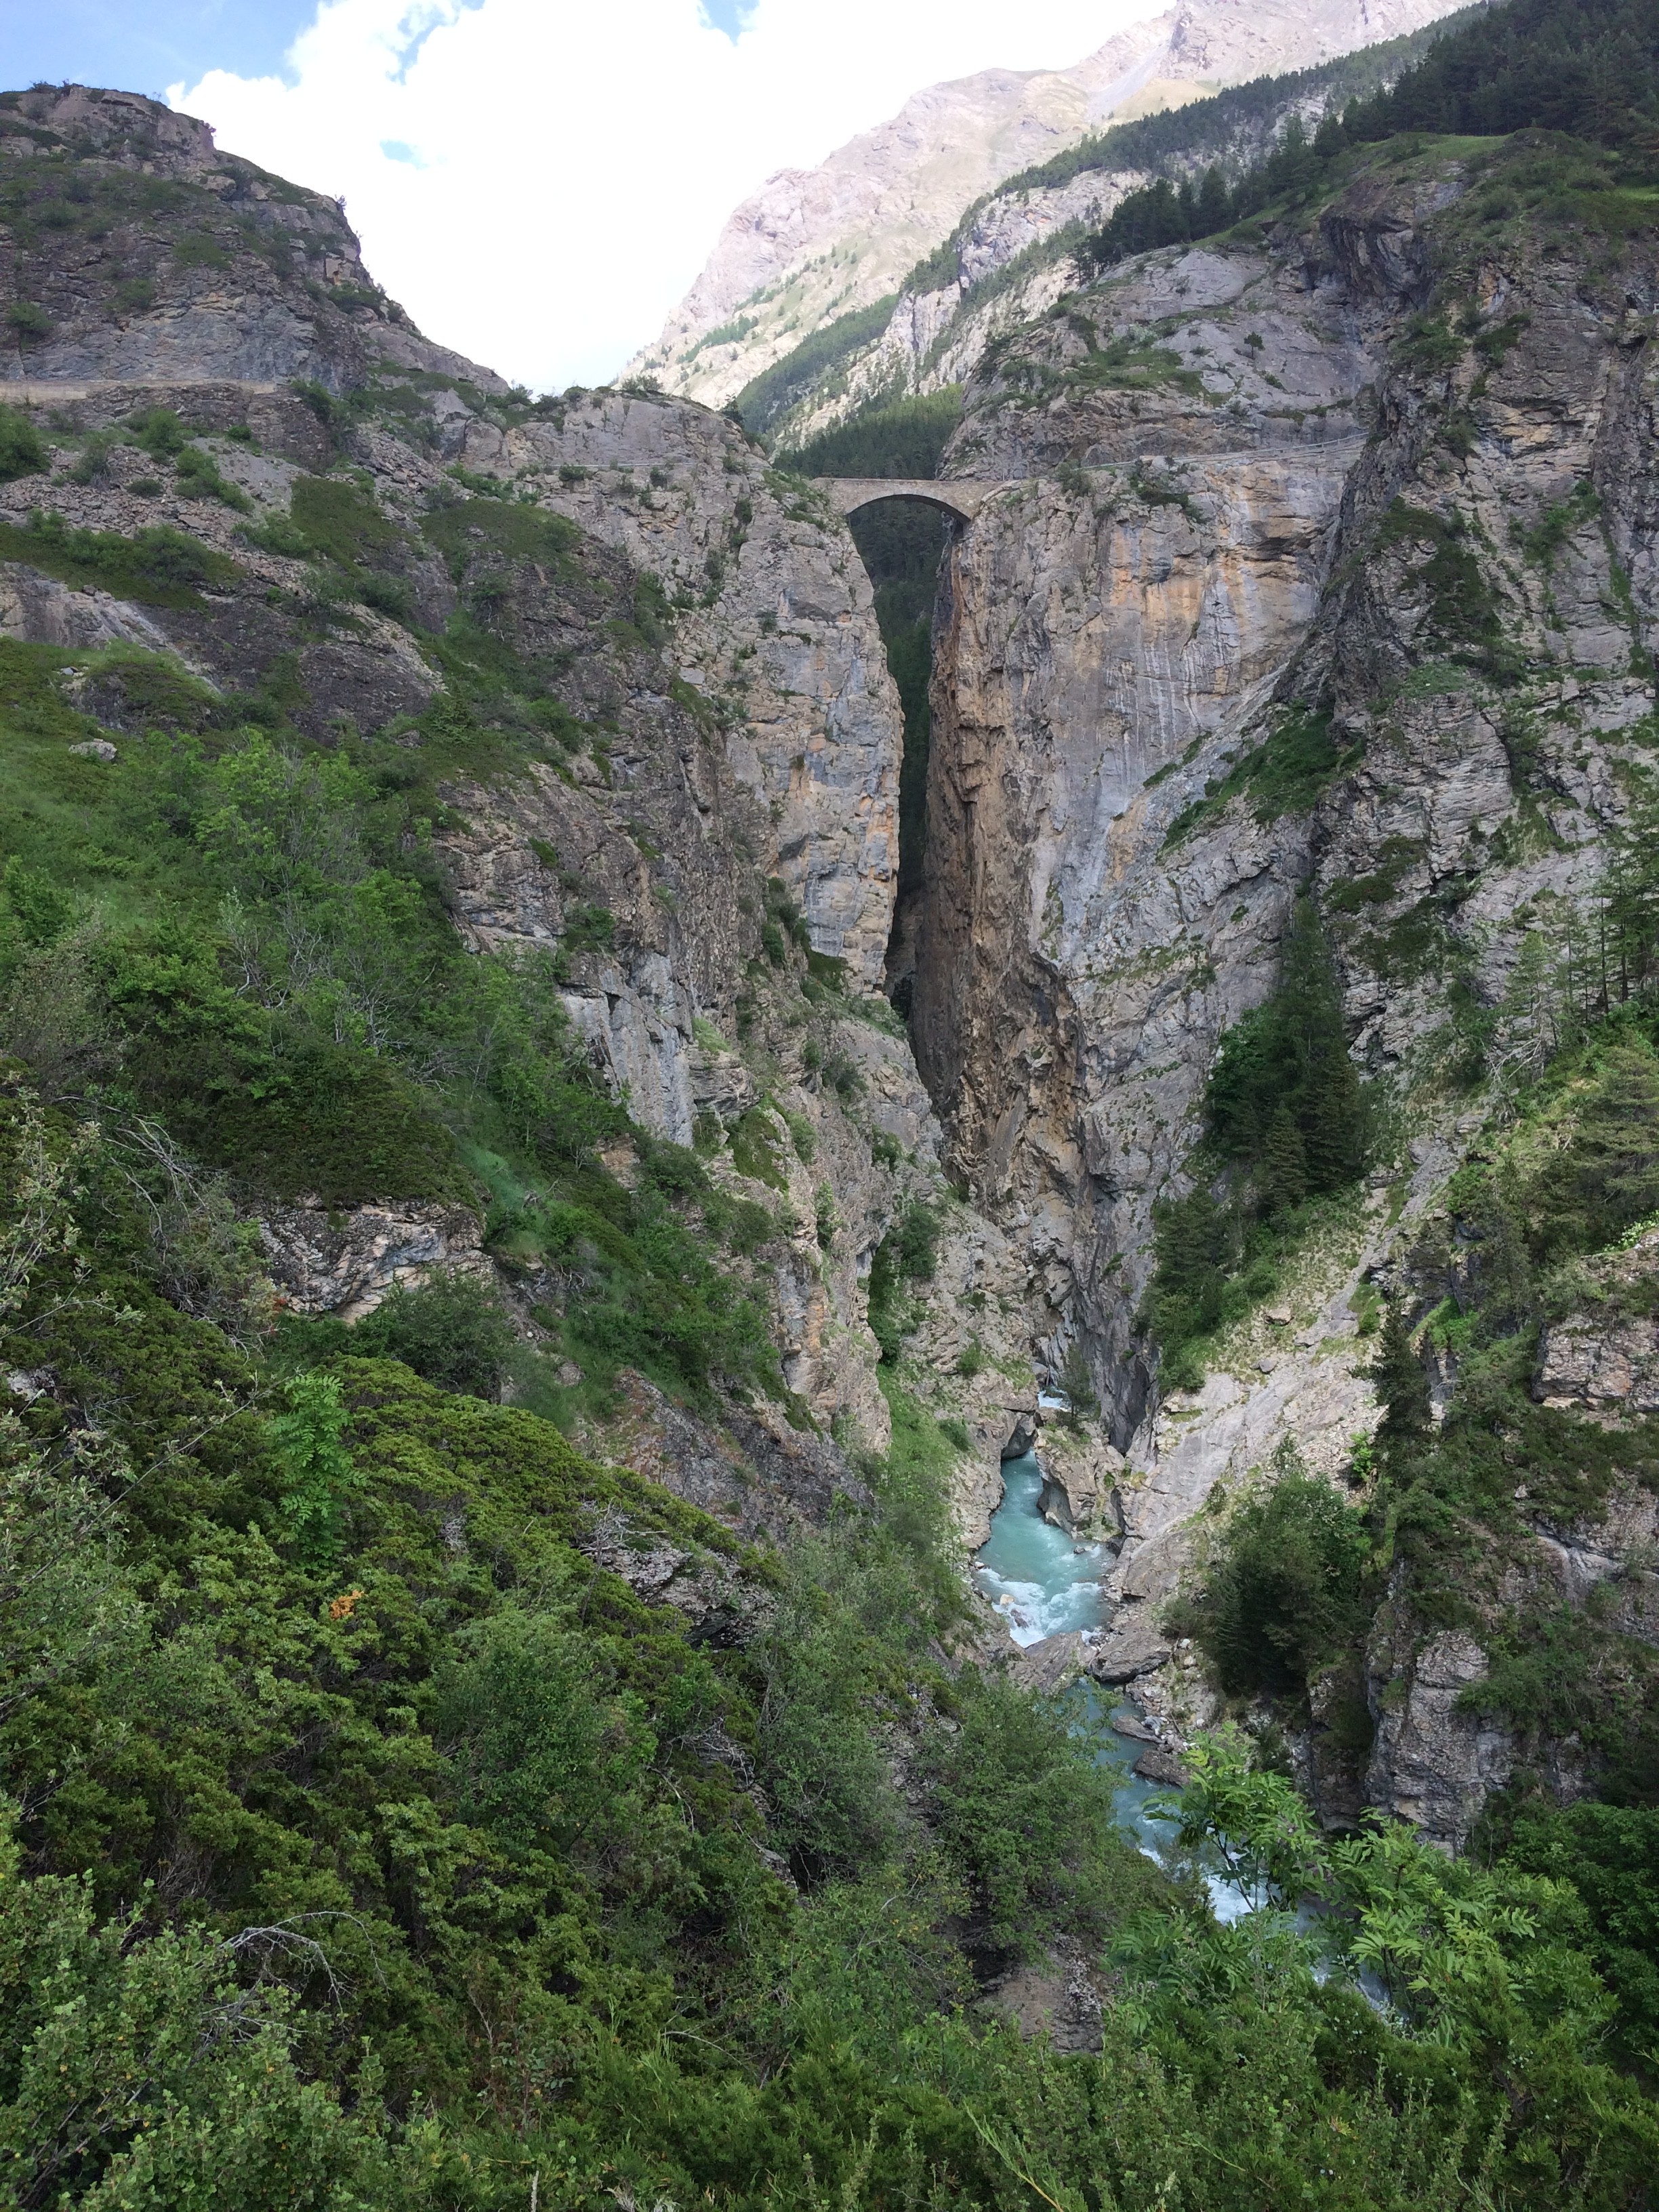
[371, 540]
[1271, 499]
[812, 245]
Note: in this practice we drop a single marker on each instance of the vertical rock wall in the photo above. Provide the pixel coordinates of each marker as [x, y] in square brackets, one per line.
[1389, 483]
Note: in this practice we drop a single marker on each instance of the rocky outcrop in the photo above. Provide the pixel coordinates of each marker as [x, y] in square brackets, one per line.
[691, 817]
[1061, 1997]
[1603, 1359]
[44, 611]
[1082, 1474]
[245, 278]
[722, 1605]
[324, 1261]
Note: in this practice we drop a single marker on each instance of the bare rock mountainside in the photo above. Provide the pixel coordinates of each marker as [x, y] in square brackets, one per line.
[1292, 714]
[815, 246]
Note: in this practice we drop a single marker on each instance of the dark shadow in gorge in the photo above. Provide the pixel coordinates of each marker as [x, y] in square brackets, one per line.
[902, 542]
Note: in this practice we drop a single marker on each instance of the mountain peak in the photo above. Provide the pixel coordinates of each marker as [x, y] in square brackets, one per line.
[811, 245]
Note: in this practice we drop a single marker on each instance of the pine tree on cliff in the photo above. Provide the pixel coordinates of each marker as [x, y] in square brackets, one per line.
[1330, 1104]
[1283, 1180]
[1215, 211]
[1401, 1383]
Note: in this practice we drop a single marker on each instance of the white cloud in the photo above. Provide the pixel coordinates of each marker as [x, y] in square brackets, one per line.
[538, 181]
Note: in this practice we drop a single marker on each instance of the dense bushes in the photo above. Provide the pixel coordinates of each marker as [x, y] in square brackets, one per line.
[905, 1255]
[159, 565]
[451, 1331]
[284, 991]
[1282, 1591]
[480, 1852]
[1284, 1097]
[22, 453]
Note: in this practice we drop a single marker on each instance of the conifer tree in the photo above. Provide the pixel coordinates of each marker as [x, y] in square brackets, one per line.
[1607, 1176]
[1214, 210]
[1078, 1381]
[1400, 1382]
[1330, 1107]
[1195, 1237]
[1284, 1181]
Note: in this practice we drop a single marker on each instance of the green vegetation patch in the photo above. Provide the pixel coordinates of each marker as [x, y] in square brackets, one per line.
[1285, 774]
[158, 566]
[1465, 613]
[900, 437]
[338, 519]
[22, 452]
[1283, 1589]
[465, 529]
[769, 396]
[1287, 1130]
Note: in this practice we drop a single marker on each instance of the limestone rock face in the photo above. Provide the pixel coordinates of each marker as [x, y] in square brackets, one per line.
[44, 611]
[1109, 645]
[775, 653]
[1095, 633]
[1604, 1359]
[1231, 475]
[1435, 1761]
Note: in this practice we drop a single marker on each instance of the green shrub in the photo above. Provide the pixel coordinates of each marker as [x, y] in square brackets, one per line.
[1291, 1057]
[906, 1255]
[754, 1149]
[1610, 1854]
[1285, 774]
[1606, 1176]
[318, 1471]
[452, 1330]
[200, 477]
[1288, 1127]
[160, 431]
[22, 452]
[1282, 1592]
[545, 1762]
[900, 437]
[337, 518]
[159, 565]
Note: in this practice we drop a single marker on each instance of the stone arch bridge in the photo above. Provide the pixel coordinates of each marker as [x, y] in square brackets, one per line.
[961, 497]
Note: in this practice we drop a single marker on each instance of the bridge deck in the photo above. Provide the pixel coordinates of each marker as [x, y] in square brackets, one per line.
[958, 495]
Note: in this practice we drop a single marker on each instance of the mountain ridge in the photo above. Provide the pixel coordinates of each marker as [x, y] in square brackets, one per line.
[814, 244]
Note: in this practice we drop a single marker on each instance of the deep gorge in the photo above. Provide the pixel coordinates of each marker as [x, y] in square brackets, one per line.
[590, 1049]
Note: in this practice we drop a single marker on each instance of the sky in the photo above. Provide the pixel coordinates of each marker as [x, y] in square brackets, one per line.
[538, 181]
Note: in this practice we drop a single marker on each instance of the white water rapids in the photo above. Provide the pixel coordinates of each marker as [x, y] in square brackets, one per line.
[1043, 1582]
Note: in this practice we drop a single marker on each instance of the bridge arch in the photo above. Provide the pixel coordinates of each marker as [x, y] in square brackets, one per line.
[960, 498]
